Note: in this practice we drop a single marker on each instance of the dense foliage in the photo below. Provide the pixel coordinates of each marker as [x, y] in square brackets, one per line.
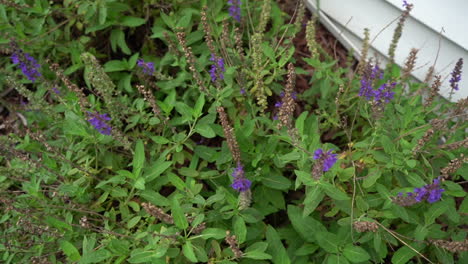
[176, 132]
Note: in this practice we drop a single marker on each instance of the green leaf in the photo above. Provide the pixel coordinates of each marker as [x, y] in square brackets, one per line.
[328, 241]
[138, 158]
[102, 12]
[189, 172]
[387, 144]
[184, 18]
[335, 259]
[421, 232]
[197, 109]
[372, 177]
[314, 196]
[257, 255]
[205, 130]
[146, 256]
[216, 233]
[355, 254]
[411, 163]
[54, 222]
[334, 192]
[133, 222]
[275, 247]
[115, 65]
[240, 229]
[139, 184]
[129, 21]
[179, 217]
[155, 170]
[155, 198]
[70, 251]
[305, 226]
[436, 210]
[277, 182]
[404, 254]
[187, 249]
[184, 110]
[306, 249]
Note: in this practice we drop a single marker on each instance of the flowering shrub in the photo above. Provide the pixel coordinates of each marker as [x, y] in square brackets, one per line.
[231, 142]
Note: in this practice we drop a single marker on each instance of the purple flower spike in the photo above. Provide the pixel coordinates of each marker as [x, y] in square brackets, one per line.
[383, 94]
[327, 158]
[27, 64]
[217, 68]
[235, 10]
[430, 192]
[240, 183]
[98, 121]
[456, 75]
[146, 67]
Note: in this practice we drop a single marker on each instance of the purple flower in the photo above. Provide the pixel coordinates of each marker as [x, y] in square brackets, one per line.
[98, 121]
[147, 67]
[27, 64]
[405, 3]
[278, 104]
[430, 192]
[456, 75]
[382, 94]
[368, 79]
[327, 158]
[55, 90]
[235, 10]
[242, 91]
[217, 68]
[240, 183]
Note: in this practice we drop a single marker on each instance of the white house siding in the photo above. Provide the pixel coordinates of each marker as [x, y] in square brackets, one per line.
[348, 18]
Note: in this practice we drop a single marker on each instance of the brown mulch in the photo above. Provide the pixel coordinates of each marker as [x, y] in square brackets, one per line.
[323, 37]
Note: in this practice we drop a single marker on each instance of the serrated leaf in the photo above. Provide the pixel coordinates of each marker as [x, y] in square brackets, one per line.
[277, 182]
[333, 191]
[133, 222]
[355, 254]
[403, 255]
[436, 210]
[257, 255]
[138, 158]
[70, 251]
[328, 241]
[154, 171]
[240, 229]
[179, 217]
[129, 21]
[187, 249]
[115, 65]
[205, 130]
[146, 256]
[139, 184]
[275, 247]
[306, 227]
[216, 233]
[314, 196]
[371, 178]
[421, 232]
[197, 109]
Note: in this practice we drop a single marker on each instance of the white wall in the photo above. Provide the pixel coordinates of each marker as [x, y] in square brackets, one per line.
[348, 18]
